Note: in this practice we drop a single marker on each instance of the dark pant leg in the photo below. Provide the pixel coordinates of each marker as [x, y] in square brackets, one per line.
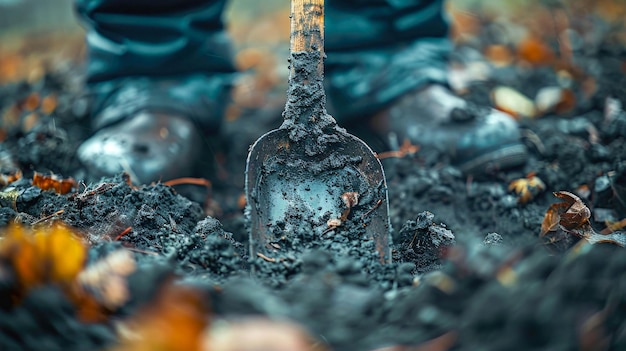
[157, 54]
[154, 37]
[378, 50]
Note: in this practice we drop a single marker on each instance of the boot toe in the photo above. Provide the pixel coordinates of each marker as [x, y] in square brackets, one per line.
[477, 140]
[148, 146]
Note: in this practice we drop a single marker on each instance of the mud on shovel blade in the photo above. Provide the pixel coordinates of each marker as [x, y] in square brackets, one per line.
[310, 178]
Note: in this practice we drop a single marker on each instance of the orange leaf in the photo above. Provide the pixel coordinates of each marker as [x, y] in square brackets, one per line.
[500, 55]
[553, 217]
[175, 321]
[527, 188]
[46, 255]
[535, 52]
[53, 182]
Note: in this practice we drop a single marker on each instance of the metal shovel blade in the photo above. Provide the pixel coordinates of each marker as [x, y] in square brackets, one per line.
[310, 178]
[290, 193]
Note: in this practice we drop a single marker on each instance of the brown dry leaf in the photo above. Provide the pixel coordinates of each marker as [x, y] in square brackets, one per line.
[9, 67]
[49, 104]
[500, 55]
[31, 102]
[567, 103]
[53, 182]
[552, 217]
[30, 121]
[527, 188]
[45, 255]
[535, 52]
[6, 179]
[174, 321]
[577, 214]
[571, 214]
[572, 217]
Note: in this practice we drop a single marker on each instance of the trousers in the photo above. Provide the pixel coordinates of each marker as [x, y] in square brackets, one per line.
[377, 50]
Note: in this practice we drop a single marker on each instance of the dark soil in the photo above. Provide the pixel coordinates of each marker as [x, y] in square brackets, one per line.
[468, 265]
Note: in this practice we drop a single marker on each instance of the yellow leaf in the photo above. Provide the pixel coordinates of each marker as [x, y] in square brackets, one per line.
[45, 255]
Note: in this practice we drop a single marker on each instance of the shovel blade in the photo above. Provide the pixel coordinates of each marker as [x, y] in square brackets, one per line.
[291, 193]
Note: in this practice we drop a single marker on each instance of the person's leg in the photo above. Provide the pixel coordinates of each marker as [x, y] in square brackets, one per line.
[154, 37]
[158, 71]
[378, 50]
[389, 59]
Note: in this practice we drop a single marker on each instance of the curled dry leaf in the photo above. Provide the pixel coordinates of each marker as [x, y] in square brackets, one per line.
[527, 188]
[53, 182]
[350, 199]
[572, 217]
[571, 214]
[577, 214]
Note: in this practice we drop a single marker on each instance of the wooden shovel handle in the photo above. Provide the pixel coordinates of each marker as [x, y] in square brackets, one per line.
[307, 26]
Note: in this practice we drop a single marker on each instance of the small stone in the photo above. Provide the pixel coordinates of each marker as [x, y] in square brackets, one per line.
[493, 239]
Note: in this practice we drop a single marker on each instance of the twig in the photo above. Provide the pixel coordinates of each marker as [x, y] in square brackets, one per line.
[405, 149]
[188, 180]
[47, 217]
[124, 232]
[378, 203]
[268, 259]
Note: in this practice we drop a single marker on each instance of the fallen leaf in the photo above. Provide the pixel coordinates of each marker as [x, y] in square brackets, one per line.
[500, 55]
[48, 104]
[577, 214]
[53, 182]
[513, 102]
[175, 321]
[552, 217]
[535, 51]
[527, 188]
[571, 217]
[44, 255]
[6, 179]
[555, 99]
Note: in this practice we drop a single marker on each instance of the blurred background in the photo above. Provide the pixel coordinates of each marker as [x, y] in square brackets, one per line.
[37, 36]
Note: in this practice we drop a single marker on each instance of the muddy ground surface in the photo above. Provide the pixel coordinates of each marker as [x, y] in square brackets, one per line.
[470, 270]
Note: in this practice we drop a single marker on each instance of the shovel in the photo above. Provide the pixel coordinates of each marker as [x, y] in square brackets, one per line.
[310, 178]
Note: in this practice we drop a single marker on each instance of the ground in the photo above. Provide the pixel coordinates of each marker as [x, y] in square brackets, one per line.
[490, 262]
